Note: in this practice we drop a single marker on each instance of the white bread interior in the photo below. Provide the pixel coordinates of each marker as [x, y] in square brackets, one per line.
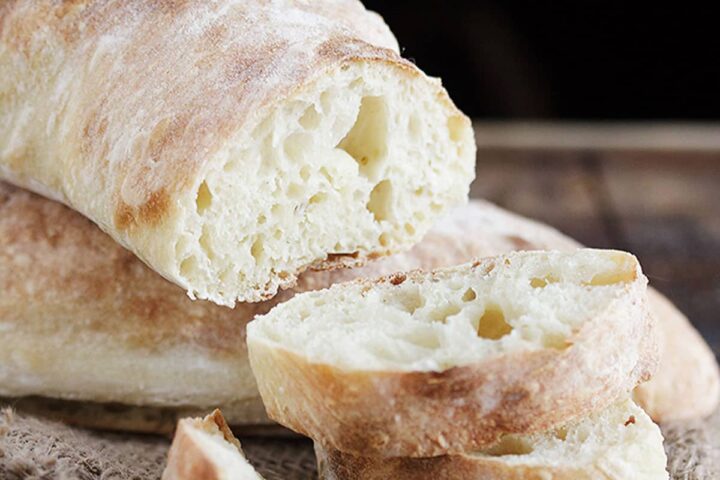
[454, 317]
[360, 162]
[205, 449]
[618, 443]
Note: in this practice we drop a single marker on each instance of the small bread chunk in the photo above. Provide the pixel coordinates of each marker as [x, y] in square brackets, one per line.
[619, 443]
[425, 364]
[206, 449]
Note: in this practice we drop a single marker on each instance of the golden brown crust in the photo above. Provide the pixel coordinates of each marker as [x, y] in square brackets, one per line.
[61, 275]
[336, 465]
[217, 418]
[465, 408]
[234, 84]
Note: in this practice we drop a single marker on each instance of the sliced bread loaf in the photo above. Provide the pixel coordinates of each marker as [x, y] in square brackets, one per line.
[425, 364]
[618, 443]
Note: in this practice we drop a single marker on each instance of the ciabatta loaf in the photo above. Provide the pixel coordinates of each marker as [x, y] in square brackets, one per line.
[619, 443]
[425, 364]
[206, 449]
[230, 145]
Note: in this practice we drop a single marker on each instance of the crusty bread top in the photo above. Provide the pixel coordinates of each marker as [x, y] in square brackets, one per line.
[687, 384]
[60, 276]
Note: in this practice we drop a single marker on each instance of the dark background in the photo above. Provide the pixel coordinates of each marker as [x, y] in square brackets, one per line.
[566, 59]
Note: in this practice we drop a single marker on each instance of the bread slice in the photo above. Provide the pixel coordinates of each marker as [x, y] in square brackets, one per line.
[425, 364]
[206, 449]
[230, 145]
[618, 443]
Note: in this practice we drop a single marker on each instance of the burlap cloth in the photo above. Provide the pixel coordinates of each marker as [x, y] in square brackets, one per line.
[31, 448]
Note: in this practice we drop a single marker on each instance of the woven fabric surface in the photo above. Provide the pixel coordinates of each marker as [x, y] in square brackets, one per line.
[37, 449]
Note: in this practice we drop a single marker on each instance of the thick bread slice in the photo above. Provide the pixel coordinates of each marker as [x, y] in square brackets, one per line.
[618, 443]
[205, 449]
[230, 145]
[69, 293]
[425, 364]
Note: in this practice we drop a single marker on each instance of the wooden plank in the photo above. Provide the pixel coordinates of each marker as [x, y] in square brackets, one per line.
[554, 188]
[604, 136]
[653, 185]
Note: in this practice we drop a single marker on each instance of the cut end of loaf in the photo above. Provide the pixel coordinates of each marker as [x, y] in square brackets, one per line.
[453, 317]
[357, 164]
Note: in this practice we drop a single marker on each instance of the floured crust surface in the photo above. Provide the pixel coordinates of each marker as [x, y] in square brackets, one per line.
[69, 294]
[434, 410]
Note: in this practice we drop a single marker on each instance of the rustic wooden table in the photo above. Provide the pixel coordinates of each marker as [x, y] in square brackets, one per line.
[651, 190]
